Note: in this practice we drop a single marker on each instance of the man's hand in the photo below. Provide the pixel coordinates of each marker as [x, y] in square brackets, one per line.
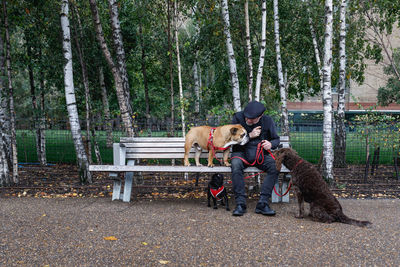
[256, 132]
[266, 144]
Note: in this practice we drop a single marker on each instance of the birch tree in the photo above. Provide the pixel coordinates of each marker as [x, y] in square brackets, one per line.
[171, 70]
[4, 118]
[83, 163]
[327, 93]
[340, 129]
[181, 99]
[262, 50]
[14, 156]
[197, 86]
[119, 48]
[231, 56]
[282, 87]
[85, 79]
[248, 50]
[123, 102]
[106, 108]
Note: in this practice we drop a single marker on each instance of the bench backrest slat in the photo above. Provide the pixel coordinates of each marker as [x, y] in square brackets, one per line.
[165, 147]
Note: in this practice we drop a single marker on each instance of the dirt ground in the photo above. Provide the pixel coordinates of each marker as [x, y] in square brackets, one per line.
[185, 232]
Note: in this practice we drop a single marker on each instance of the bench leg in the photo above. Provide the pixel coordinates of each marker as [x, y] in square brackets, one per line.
[285, 198]
[116, 190]
[274, 197]
[128, 187]
[128, 183]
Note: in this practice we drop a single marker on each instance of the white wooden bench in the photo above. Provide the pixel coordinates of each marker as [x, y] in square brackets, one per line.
[130, 150]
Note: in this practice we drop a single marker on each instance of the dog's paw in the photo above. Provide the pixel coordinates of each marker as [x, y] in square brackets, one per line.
[199, 165]
[210, 165]
[227, 164]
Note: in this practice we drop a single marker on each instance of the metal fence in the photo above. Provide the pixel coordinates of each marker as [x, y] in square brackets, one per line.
[306, 139]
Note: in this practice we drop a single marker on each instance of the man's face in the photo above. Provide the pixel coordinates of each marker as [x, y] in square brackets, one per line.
[252, 121]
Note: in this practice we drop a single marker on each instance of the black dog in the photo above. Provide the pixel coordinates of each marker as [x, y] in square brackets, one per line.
[217, 191]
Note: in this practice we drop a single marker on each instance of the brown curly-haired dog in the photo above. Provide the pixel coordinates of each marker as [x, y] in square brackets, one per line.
[311, 188]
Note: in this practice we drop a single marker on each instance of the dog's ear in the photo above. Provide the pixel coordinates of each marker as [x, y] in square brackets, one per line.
[234, 130]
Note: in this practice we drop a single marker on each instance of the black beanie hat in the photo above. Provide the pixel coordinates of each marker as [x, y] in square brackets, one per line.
[253, 110]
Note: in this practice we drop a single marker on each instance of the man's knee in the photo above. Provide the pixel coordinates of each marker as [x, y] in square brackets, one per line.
[237, 164]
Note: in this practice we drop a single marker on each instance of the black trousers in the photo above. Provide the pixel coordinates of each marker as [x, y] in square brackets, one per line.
[238, 177]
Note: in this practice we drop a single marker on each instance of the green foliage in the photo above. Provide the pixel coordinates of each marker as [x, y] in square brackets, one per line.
[391, 92]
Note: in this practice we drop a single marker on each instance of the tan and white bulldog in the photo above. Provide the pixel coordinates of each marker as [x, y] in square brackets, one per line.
[220, 139]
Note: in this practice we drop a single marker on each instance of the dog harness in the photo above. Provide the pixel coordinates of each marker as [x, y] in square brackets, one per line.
[216, 192]
[211, 141]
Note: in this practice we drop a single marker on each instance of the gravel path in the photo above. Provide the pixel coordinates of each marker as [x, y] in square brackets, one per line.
[73, 232]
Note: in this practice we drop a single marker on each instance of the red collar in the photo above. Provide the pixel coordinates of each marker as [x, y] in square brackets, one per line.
[211, 141]
[215, 192]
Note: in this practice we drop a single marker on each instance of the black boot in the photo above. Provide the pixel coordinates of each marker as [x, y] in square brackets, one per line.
[240, 210]
[264, 209]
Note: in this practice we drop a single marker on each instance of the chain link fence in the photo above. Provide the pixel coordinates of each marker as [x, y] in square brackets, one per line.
[306, 139]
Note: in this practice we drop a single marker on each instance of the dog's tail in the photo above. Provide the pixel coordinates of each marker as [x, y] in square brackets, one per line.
[344, 219]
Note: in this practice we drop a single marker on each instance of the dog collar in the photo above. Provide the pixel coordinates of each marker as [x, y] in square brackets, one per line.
[216, 192]
[300, 161]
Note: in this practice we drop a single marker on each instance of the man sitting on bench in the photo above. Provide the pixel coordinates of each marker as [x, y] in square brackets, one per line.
[256, 152]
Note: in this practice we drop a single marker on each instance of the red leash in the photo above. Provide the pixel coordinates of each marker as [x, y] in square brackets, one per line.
[290, 184]
[259, 152]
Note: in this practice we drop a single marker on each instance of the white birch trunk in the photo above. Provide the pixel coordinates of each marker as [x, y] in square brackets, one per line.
[282, 87]
[106, 108]
[181, 99]
[119, 48]
[13, 129]
[4, 125]
[83, 164]
[85, 80]
[196, 79]
[262, 50]
[327, 94]
[249, 52]
[124, 104]
[340, 129]
[231, 57]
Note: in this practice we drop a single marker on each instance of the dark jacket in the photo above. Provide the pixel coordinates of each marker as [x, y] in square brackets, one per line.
[268, 132]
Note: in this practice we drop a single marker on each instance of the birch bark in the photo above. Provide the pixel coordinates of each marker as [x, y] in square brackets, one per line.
[196, 79]
[11, 99]
[171, 71]
[85, 80]
[282, 87]
[262, 50]
[340, 129]
[231, 57]
[119, 48]
[124, 104]
[106, 108]
[181, 98]
[83, 163]
[327, 94]
[249, 52]
[4, 142]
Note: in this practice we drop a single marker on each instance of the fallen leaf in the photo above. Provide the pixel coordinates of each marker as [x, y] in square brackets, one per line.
[110, 238]
[163, 262]
[144, 244]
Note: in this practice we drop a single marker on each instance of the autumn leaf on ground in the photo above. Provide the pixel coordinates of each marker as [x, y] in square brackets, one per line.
[163, 262]
[110, 238]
